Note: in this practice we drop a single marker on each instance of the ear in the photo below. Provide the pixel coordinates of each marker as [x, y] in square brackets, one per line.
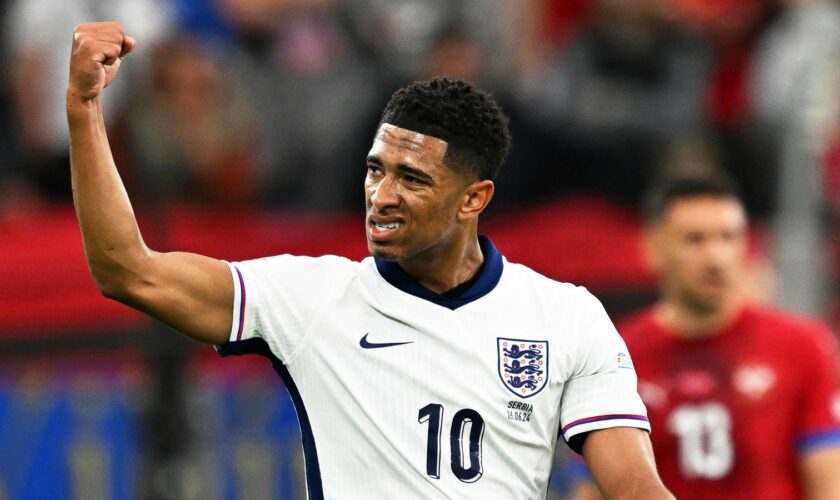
[651, 244]
[476, 198]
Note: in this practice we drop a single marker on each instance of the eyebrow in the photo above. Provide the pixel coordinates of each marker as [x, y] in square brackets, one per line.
[406, 169]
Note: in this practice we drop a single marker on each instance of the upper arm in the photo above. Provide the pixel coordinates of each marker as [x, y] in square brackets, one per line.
[601, 392]
[622, 464]
[820, 479]
[189, 292]
[819, 418]
[281, 299]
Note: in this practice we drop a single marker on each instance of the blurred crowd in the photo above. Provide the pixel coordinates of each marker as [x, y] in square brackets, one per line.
[273, 103]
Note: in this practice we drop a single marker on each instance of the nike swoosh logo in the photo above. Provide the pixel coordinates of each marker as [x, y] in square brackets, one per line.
[370, 345]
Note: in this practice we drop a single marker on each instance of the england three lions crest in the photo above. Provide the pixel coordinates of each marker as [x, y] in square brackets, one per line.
[523, 365]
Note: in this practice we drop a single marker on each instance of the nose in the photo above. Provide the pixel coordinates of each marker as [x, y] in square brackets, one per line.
[720, 253]
[385, 193]
[717, 249]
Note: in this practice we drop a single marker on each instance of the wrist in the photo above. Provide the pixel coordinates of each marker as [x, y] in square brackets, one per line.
[79, 106]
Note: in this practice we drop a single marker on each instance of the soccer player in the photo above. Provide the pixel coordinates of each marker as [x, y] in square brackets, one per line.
[744, 399]
[434, 368]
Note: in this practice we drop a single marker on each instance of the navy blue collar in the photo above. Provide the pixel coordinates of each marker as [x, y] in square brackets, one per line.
[481, 284]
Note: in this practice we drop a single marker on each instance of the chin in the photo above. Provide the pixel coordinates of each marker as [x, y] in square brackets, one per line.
[383, 253]
[708, 303]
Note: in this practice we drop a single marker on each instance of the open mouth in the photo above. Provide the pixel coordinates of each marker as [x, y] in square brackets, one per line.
[381, 230]
[390, 225]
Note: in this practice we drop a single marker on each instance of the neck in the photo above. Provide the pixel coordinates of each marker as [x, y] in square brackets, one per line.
[689, 322]
[443, 271]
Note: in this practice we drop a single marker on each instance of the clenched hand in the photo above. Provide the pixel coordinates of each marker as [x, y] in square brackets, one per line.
[98, 50]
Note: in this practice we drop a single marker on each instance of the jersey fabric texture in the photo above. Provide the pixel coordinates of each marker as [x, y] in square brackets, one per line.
[733, 412]
[405, 393]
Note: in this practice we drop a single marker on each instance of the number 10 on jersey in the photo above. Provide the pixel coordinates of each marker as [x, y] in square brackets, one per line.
[434, 414]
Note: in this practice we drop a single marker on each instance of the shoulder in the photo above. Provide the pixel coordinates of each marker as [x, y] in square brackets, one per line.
[561, 303]
[778, 322]
[298, 270]
[638, 324]
[787, 328]
[523, 278]
[324, 262]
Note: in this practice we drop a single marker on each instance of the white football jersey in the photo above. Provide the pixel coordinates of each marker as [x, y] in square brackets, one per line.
[405, 393]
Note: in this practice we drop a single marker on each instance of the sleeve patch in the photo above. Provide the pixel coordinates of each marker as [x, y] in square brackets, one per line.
[624, 361]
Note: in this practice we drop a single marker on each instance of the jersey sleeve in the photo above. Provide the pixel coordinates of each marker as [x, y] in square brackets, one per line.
[278, 299]
[819, 422]
[602, 391]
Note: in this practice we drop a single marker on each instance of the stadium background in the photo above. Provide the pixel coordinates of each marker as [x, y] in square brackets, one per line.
[240, 128]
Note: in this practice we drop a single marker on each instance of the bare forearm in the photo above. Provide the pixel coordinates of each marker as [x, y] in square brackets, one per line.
[622, 465]
[189, 292]
[112, 241]
[819, 473]
[831, 493]
[652, 491]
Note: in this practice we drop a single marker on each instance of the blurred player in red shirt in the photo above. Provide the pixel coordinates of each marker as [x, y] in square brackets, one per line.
[743, 399]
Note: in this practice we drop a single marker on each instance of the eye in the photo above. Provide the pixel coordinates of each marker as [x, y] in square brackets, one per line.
[417, 181]
[730, 236]
[373, 169]
[694, 238]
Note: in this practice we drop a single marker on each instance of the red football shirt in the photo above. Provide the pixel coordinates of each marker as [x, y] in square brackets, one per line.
[732, 412]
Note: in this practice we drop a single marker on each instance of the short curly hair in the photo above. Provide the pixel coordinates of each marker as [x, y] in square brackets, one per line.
[469, 120]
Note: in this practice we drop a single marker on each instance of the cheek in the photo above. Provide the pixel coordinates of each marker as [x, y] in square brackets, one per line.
[368, 183]
[685, 265]
[445, 214]
[736, 256]
[695, 265]
[369, 189]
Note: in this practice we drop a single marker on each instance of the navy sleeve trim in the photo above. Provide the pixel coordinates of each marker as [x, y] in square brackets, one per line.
[816, 440]
[241, 305]
[310, 452]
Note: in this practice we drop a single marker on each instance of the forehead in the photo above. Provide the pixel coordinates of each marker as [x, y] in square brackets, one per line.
[392, 143]
[705, 213]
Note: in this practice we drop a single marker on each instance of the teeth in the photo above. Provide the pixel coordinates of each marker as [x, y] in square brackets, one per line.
[391, 225]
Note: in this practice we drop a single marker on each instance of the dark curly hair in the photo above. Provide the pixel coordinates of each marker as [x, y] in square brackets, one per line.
[469, 120]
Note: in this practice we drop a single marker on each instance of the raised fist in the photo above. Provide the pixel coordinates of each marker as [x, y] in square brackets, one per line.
[98, 50]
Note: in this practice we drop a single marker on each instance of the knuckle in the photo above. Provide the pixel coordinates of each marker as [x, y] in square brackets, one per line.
[114, 27]
[86, 46]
